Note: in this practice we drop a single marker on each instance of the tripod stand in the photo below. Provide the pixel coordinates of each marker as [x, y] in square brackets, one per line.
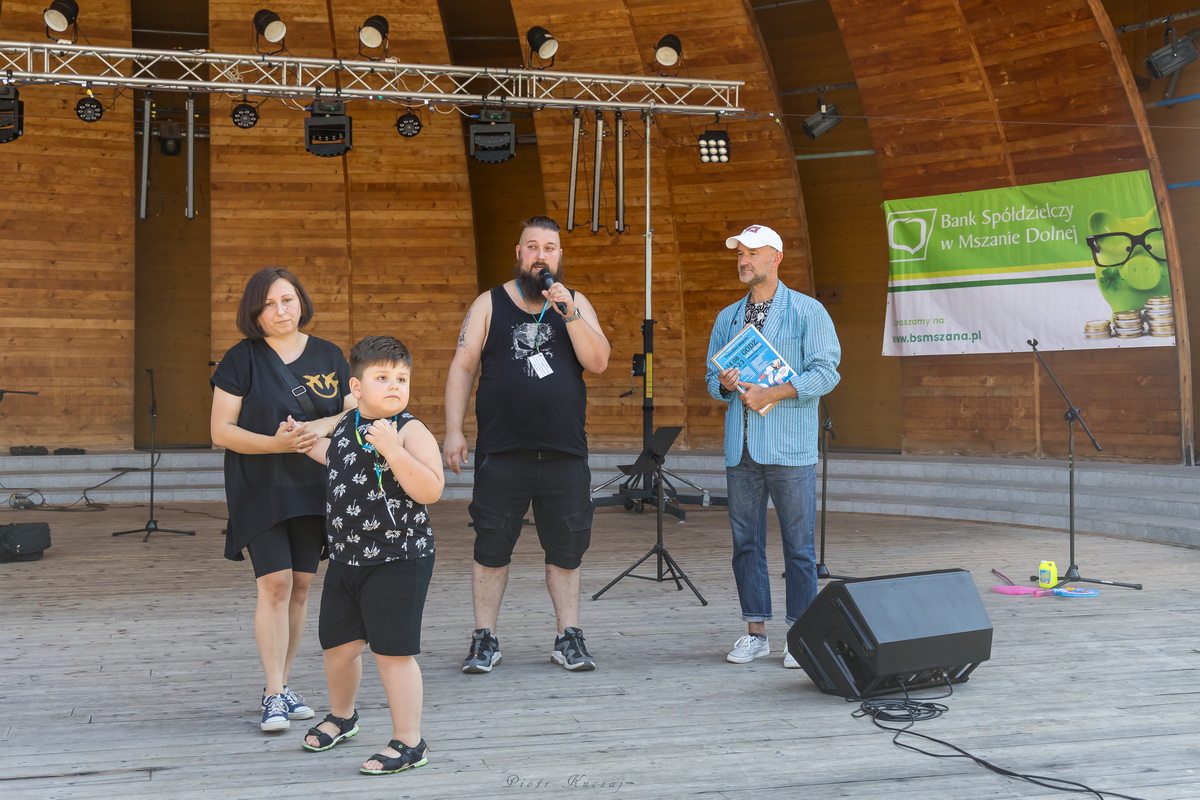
[651, 460]
[1072, 574]
[152, 524]
[826, 434]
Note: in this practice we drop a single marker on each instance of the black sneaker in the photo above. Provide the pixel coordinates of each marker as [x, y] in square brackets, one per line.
[485, 652]
[570, 651]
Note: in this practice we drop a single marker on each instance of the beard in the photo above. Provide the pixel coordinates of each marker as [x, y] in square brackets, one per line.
[528, 282]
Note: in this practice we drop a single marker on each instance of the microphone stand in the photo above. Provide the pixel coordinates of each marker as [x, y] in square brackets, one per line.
[1073, 414]
[826, 434]
[12, 391]
[152, 524]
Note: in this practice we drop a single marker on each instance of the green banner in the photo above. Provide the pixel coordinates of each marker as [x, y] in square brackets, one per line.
[1077, 264]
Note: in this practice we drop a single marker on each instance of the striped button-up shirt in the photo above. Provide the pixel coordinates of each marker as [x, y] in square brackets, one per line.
[801, 330]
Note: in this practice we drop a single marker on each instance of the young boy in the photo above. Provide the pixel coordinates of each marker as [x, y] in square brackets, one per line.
[383, 468]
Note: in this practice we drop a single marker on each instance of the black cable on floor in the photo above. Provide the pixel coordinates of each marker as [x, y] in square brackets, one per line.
[910, 711]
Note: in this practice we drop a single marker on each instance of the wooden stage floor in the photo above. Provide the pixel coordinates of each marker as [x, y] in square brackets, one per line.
[128, 670]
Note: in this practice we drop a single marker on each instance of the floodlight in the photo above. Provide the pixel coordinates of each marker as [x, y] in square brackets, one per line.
[268, 25]
[541, 44]
[408, 124]
[822, 121]
[327, 132]
[60, 16]
[12, 114]
[244, 115]
[89, 108]
[714, 147]
[668, 50]
[170, 138]
[1172, 57]
[374, 32]
[495, 140]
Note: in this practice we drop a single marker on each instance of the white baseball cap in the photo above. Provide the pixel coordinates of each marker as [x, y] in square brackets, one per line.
[756, 236]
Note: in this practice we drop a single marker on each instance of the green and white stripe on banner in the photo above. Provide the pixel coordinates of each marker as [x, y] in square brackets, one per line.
[1076, 265]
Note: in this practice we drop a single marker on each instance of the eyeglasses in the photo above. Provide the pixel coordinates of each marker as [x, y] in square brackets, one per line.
[1114, 249]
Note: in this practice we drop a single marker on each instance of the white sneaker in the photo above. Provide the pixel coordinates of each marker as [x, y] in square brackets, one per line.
[788, 661]
[748, 648]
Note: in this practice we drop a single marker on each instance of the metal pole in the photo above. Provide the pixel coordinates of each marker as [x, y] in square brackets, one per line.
[190, 209]
[145, 187]
[574, 173]
[596, 176]
[619, 132]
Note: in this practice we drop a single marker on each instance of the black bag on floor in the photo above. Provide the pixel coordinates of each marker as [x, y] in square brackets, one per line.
[23, 541]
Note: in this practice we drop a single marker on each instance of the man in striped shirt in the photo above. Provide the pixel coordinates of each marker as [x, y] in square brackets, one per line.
[772, 455]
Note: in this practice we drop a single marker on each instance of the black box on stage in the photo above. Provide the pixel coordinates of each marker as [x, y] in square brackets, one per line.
[870, 636]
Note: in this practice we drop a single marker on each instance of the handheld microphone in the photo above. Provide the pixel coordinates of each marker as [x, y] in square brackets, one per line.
[547, 281]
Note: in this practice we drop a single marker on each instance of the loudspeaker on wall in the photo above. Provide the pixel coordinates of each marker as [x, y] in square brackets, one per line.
[865, 637]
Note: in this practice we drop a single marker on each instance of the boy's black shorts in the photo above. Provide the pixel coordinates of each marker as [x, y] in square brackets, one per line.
[380, 604]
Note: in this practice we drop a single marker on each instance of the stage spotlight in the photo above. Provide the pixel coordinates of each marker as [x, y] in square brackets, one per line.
[170, 138]
[244, 115]
[822, 121]
[373, 34]
[89, 108]
[12, 114]
[495, 140]
[408, 124]
[668, 50]
[1171, 58]
[268, 25]
[59, 16]
[327, 132]
[541, 44]
[714, 147]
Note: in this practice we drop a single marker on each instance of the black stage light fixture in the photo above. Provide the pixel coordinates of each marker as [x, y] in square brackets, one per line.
[60, 16]
[12, 114]
[170, 138]
[408, 124]
[822, 121]
[89, 108]
[244, 115]
[494, 140]
[668, 51]
[714, 147]
[327, 132]
[268, 25]
[541, 44]
[1172, 57]
[373, 34]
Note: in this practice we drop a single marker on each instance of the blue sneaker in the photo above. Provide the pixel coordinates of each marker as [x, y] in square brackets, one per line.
[570, 651]
[275, 713]
[296, 707]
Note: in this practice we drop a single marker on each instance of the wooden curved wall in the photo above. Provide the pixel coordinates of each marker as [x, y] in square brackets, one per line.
[694, 206]
[382, 236]
[970, 94]
[67, 275]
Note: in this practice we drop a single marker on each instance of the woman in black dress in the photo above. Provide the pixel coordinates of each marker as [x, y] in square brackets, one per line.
[274, 393]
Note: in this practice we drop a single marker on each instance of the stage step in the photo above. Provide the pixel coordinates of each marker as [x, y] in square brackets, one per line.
[1140, 501]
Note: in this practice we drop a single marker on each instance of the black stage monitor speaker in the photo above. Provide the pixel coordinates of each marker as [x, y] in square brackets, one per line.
[870, 636]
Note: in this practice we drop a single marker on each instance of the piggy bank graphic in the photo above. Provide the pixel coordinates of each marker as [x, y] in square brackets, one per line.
[1130, 257]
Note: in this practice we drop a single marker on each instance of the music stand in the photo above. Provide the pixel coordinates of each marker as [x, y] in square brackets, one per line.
[651, 461]
[151, 525]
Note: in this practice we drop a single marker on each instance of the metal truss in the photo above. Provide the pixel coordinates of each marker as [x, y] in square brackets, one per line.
[288, 76]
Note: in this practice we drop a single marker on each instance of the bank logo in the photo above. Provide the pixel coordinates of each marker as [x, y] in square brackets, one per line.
[909, 233]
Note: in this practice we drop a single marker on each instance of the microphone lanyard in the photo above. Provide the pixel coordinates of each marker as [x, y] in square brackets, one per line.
[379, 468]
[538, 319]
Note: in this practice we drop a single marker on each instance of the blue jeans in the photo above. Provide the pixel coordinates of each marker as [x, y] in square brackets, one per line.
[793, 490]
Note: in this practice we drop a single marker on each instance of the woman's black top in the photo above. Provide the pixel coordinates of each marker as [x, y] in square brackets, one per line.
[263, 490]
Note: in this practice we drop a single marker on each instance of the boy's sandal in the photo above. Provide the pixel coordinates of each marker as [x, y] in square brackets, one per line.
[409, 758]
[346, 729]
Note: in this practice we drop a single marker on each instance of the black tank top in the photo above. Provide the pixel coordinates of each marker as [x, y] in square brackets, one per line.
[516, 409]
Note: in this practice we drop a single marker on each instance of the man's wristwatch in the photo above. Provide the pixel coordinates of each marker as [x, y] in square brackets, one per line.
[573, 317]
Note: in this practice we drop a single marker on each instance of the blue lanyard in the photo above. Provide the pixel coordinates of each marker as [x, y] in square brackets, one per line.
[538, 319]
[370, 448]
